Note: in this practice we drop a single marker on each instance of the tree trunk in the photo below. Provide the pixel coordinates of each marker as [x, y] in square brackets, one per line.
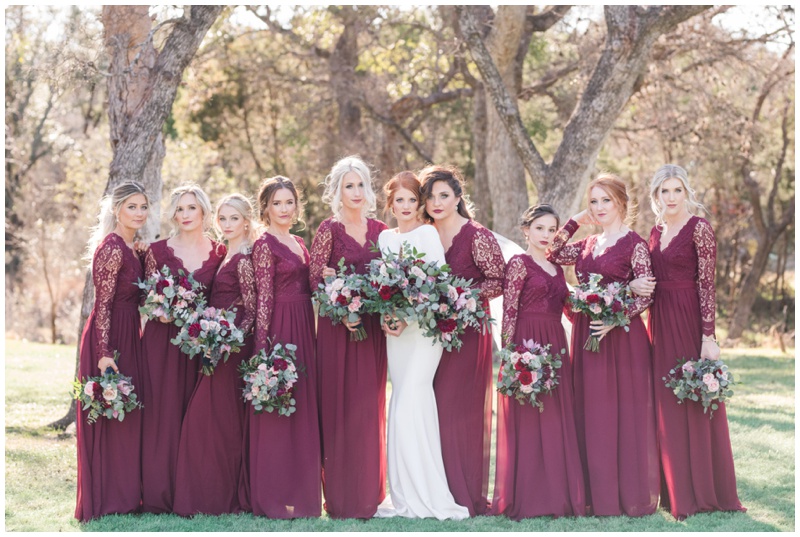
[749, 288]
[342, 69]
[481, 196]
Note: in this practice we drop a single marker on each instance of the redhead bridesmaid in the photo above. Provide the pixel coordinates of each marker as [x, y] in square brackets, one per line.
[614, 412]
[284, 452]
[463, 382]
[169, 374]
[210, 448]
[696, 457]
[352, 374]
[538, 469]
[109, 451]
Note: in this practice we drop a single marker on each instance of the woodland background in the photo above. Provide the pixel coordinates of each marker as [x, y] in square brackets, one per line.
[226, 96]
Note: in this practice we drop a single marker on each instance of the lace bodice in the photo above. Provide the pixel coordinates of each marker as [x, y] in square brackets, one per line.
[528, 288]
[280, 274]
[691, 255]
[625, 260]
[115, 270]
[235, 286]
[160, 253]
[332, 243]
[475, 254]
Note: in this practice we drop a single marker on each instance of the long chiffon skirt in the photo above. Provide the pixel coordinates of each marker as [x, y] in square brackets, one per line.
[696, 456]
[538, 470]
[210, 448]
[284, 460]
[170, 377]
[615, 420]
[463, 387]
[109, 452]
[352, 389]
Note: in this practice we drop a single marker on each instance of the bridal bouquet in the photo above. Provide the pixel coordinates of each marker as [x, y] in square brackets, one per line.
[706, 381]
[344, 297]
[212, 333]
[528, 371]
[269, 380]
[170, 296]
[392, 283]
[110, 395]
[608, 303]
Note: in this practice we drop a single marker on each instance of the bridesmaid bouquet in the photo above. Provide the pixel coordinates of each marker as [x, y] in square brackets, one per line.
[109, 396]
[170, 296]
[344, 297]
[608, 303]
[528, 371]
[269, 380]
[212, 333]
[706, 381]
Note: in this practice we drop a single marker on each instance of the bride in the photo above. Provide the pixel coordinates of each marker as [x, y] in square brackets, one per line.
[417, 482]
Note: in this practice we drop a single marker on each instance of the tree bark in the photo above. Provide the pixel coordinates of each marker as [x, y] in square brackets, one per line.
[342, 65]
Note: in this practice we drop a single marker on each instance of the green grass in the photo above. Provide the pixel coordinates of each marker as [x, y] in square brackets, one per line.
[40, 463]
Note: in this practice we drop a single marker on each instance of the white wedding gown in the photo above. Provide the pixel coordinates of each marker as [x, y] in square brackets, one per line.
[417, 482]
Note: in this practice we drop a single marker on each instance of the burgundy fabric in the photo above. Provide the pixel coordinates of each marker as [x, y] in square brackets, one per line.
[696, 458]
[614, 410]
[169, 380]
[538, 470]
[352, 388]
[284, 465]
[210, 448]
[463, 382]
[109, 452]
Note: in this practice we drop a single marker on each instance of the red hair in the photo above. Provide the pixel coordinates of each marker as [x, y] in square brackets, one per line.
[404, 179]
[615, 188]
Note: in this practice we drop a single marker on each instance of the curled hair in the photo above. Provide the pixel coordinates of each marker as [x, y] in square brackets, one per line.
[615, 188]
[333, 186]
[671, 171]
[244, 207]
[450, 175]
[202, 201]
[537, 211]
[110, 206]
[405, 179]
[267, 191]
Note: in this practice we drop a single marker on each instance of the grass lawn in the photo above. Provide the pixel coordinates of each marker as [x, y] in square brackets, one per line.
[40, 463]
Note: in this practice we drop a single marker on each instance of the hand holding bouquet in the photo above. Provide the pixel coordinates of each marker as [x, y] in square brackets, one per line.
[706, 381]
[390, 290]
[169, 296]
[110, 395]
[212, 333]
[607, 303]
[343, 298]
[269, 379]
[528, 371]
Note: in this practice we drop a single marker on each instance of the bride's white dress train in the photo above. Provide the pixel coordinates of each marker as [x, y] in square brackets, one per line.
[417, 481]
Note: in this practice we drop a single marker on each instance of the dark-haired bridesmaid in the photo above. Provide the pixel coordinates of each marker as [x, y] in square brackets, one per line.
[169, 374]
[696, 457]
[210, 448]
[352, 374]
[109, 471]
[284, 451]
[538, 470]
[463, 382]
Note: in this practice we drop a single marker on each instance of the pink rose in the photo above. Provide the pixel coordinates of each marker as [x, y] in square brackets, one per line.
[262, 367]
[208, 313]
[595, 308]
[707, 378]
[688, 367]
[89, 388]
[452, 294]
[713, 385]
[442, 308]
[472, 304]
[110, 393]
[355, 304]
[124, 387]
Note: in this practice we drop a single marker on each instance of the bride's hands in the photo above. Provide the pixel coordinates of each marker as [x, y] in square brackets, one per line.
[399, 325]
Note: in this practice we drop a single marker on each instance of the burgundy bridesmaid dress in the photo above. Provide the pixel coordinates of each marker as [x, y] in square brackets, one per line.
[109, 452]
[169, 380]
[463, 382]
[614, 409]
[538, 470]
[352, 387]
[696, 457]
[284, 474]
[210, 448]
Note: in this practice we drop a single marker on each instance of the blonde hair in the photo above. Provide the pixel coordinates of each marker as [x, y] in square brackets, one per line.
[615, 188]
[671, 171]
[243, 206]
[110, 206]
[333, 186]
[202, 201]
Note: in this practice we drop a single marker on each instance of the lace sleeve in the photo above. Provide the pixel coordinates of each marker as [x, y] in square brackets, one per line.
[265, 290]
[489, 259]
[105, 270]
[247, 286]
[320, 254]
[561, 252]
[512, 288]
[705, 244]
[640, 263]
[150, 266]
